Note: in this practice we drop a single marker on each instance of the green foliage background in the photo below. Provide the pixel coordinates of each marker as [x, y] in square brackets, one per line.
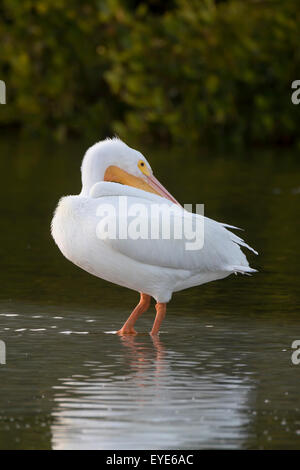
[198, 70]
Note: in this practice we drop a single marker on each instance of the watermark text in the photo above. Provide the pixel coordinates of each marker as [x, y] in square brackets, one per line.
[2, 352]
[296, 354]
[2, 92]
[296, 94]
[127, 220]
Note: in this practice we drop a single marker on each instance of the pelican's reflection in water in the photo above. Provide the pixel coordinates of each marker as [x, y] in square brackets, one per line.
[148, 364]
[144, 394]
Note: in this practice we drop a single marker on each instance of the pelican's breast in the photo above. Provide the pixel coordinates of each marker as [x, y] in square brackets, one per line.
[74, 229]
[71, 221]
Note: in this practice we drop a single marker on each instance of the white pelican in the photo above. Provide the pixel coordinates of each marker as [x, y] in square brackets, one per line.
[153, 267]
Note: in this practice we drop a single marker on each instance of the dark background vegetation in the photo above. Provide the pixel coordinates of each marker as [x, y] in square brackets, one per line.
[203, 70]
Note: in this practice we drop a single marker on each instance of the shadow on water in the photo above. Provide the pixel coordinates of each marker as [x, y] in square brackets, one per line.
[220, 374]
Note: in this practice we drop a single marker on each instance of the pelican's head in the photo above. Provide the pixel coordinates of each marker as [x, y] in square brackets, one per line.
[112, 160]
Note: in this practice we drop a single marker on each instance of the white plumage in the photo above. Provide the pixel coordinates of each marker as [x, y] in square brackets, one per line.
[156, 267]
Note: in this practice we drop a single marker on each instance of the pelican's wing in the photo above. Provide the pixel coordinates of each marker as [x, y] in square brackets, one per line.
[214, 248]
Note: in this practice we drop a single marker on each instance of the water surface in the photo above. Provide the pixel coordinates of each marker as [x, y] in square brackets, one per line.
[219, 375]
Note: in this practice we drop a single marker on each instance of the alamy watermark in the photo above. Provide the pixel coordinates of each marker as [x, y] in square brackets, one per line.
[156, 221]
[296, 354]
[2, 352]
[2, 92]
[296, 94]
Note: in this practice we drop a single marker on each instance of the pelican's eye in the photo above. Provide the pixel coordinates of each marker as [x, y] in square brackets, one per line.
[143, 167]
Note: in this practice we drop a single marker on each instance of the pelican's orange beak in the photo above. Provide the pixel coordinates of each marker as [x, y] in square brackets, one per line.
[151, 185]
[160, 189]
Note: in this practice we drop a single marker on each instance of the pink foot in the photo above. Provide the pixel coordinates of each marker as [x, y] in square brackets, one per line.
[126, 331]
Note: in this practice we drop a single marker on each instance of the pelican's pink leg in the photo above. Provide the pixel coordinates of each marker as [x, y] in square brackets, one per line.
[160, 315]
[143, 305]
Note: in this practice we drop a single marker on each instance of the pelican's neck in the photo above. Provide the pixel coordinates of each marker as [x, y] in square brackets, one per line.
[101, 156]
[92, 172]
[85, 192]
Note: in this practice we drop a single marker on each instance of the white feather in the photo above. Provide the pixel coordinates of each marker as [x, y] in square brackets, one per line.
[155, 267]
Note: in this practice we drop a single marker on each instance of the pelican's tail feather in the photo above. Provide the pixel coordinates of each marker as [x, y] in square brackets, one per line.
[231, 226]
[241, 269]
[241, 242]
